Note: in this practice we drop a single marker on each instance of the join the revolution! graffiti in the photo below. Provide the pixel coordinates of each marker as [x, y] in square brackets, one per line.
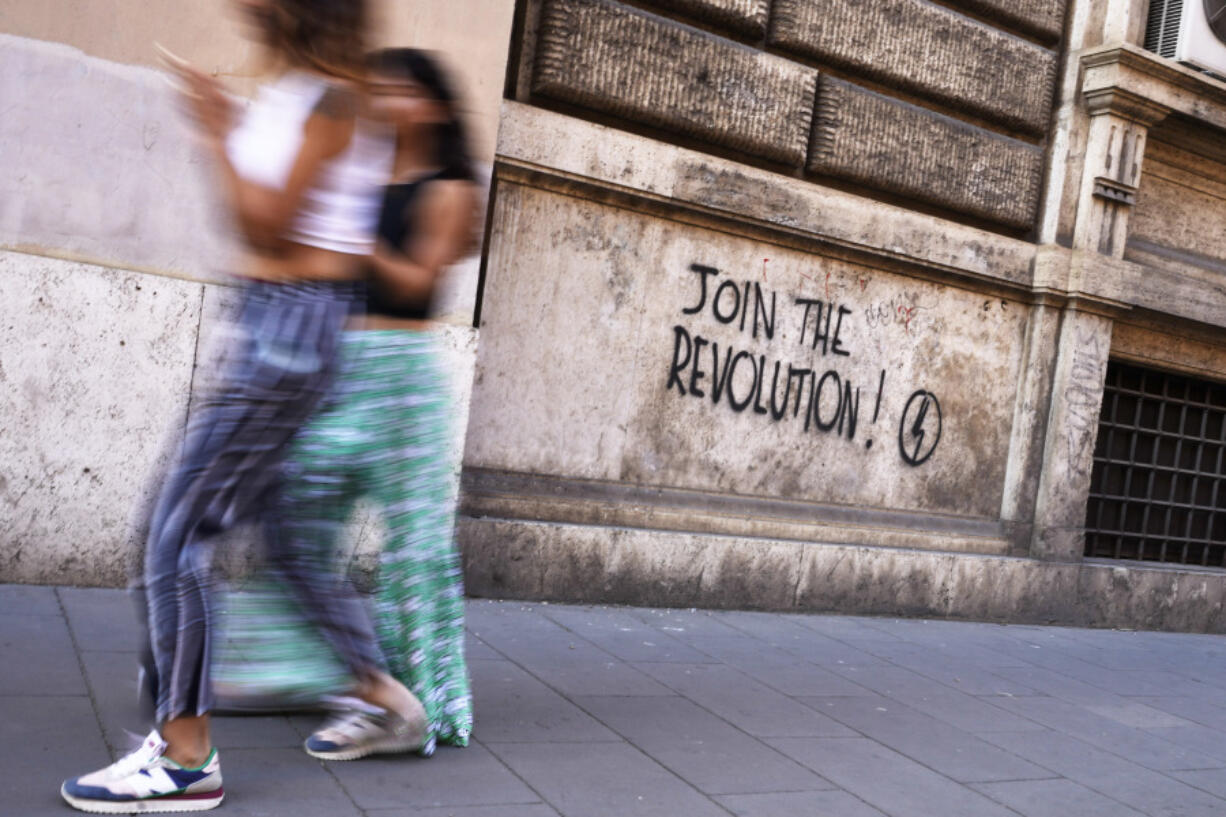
[782, 390]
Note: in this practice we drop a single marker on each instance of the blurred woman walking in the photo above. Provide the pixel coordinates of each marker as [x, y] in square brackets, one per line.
[384, 432]
[301, 174]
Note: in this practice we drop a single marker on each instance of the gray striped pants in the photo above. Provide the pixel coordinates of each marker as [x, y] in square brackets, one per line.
[228, 474]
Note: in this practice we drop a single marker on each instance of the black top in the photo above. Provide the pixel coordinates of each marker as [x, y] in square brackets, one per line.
[397, 223]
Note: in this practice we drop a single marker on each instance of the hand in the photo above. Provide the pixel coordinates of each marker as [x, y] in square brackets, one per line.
[210, 108]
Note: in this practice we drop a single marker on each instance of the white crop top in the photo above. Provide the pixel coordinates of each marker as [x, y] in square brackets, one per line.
[340, 209]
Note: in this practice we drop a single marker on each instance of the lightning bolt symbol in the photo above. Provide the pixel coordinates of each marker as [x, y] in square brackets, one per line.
[917, 428]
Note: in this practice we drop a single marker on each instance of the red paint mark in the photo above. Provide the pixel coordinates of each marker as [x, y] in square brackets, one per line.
[765, 261]
[908, 312]
[863, 284]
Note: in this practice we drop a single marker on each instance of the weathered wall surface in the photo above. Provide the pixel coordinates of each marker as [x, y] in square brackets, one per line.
[657, 418]
[694, 359]
[114, 260]
[946, 123]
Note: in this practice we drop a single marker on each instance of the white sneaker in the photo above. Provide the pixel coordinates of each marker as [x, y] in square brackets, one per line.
[147, 781]
[361, 733]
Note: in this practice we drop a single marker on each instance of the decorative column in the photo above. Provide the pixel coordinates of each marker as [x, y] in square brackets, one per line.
[1094, 276]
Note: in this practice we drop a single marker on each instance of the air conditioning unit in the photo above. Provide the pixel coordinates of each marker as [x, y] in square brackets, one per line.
[1191, 31]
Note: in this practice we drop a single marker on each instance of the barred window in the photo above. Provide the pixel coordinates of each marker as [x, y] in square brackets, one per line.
[1157, 491]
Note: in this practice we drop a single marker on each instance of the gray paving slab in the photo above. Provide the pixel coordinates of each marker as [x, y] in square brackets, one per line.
[29, 600]
[685, 624]
[512, 706]
[798, 804]
[1054, 798]
[886, 780]
[1201, 740]
[531, 810]
[604, 779]
[1142, 747]
[1212, 781]
[623, 635]
[46, 740]
[585, 710]
[471, 776]
[952, 752]
[101, 619]
[744, 702]
[273, 782]
[701, 748]
[1191, 709]
[477, 650]
[38, 657]
[1152, 793]
[963, 711]
[781, 670]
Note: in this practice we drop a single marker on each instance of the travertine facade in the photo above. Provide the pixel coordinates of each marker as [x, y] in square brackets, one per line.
[799, 305]
[865, 376]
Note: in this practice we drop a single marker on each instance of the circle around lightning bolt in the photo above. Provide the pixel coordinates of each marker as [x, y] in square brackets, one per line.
[918, 429]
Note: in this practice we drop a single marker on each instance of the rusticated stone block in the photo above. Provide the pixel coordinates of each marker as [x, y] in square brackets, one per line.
[880, 142]
[640, 67]
[746, 16]
[1042, 17]
[928, 49]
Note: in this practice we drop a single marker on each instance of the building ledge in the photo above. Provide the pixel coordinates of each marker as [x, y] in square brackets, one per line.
[1144, 86]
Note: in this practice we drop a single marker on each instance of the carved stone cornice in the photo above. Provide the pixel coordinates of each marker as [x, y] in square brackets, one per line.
[1139, 85]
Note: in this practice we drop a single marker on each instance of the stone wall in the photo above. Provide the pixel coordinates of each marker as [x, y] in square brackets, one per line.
[809, 304]
[956, 108]
[115, 266]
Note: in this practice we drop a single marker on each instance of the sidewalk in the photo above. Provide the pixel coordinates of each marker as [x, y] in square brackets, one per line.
[616, 712]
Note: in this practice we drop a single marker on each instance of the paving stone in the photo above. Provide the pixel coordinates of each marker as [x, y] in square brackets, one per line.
[703, 749]
[1054, 798]
[744, 702]
[798, 804]
[1198, 739]
[38, 657]
[885, 779]
[684, 624]
[936, 744]
[1210, 780]
[275, 782]
[511, 705]
[1136, 745]
[965, 712]
[790, 634]
[778, 669]
[563, 660]
[471, 776]
[604, 779]
[477, 650]
[28, 600]
[1194, 710]
[524, 810]
[1137, 715]
[102, 619]
[623, 635]
[1155, 794]
[46, 739]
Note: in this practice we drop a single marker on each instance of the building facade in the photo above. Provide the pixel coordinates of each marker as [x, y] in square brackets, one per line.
[898, 307]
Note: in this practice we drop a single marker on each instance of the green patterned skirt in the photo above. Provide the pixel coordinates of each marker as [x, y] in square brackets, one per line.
[383, 434]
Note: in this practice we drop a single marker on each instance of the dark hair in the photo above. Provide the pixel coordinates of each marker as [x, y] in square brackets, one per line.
[420, 66]
[327, 35]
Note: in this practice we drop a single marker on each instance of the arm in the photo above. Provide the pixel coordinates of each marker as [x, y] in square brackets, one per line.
[263, 213]
[444, 218]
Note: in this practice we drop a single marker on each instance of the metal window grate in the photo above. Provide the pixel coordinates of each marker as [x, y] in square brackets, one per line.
[1159, 481]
